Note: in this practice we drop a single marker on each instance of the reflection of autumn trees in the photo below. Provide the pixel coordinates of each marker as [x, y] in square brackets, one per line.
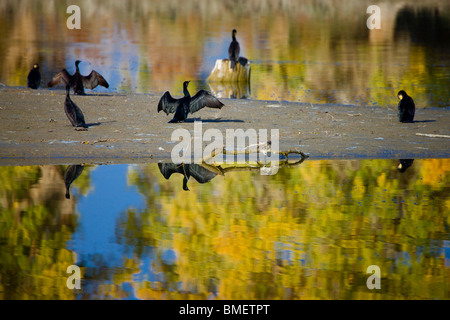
[308, 51]
[36, 221]
[308, 232]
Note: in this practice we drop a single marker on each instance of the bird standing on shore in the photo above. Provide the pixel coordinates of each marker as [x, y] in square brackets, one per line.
[77, 81]
[34, 77]
[234, 50]
[182, 107]
[406, 107]
[73, 112]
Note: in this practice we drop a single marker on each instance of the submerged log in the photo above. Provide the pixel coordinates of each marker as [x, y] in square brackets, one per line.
[222, 71]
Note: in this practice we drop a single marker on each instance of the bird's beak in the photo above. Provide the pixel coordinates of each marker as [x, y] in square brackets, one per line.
[399, 166]
[35, 65]
[400, 96]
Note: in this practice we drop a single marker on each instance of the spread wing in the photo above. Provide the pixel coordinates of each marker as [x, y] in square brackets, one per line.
[167, 169]
[201, 174]
[62, 77]
[168, 104]
[94, 79]
[204, 99]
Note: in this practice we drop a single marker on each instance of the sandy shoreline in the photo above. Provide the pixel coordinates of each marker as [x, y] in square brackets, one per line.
[128, 129]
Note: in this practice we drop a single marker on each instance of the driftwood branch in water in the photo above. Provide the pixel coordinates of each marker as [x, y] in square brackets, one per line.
[263, 147]
[254, 148]
[432, 135]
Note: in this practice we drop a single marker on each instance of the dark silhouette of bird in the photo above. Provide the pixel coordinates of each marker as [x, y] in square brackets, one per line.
[73, 112]
[234, 50]
[404, 164]
[34, 77]
[72, 172]
[201, 174]
[406, 107]
[182, 107]
[77, 81]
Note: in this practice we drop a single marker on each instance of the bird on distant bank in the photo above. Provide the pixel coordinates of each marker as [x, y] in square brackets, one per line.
[182, 107]
[234, 50]
[70, 175]
[406, 107]
[73, 112]
[77, 81]
[201, 174]
[34, 77]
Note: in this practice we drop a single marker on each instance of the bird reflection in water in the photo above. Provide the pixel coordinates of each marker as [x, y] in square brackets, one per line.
[70, 175]
[404, 164]
[199, 173]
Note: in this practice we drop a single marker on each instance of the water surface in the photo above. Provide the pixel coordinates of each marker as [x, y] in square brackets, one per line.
[307, 51]
[308, 232]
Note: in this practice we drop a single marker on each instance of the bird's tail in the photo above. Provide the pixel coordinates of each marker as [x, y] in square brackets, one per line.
[233, 64]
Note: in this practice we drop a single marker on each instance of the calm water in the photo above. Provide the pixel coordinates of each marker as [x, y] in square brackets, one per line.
[308, 51]
[308, 232]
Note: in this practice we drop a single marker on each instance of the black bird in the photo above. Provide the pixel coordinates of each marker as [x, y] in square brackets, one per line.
[233, 50]
[77, 81]
[73, 112]
[182, 107]
[34, 77]
[404, 164]
[406, 107]
[72, 172]
[201, 174]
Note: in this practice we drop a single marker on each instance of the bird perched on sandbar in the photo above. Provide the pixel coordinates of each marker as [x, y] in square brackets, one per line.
[73, 112]
[77, 81]
[406, 107]
[234, 50]
[34, 77]
[182, 107]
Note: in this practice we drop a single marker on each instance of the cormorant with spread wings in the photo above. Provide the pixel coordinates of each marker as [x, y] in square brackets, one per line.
[77, 81]
[182, 107]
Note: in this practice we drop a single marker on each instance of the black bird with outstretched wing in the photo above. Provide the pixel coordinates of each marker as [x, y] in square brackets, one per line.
[77, 81]
[182, 107]
[73, 112]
